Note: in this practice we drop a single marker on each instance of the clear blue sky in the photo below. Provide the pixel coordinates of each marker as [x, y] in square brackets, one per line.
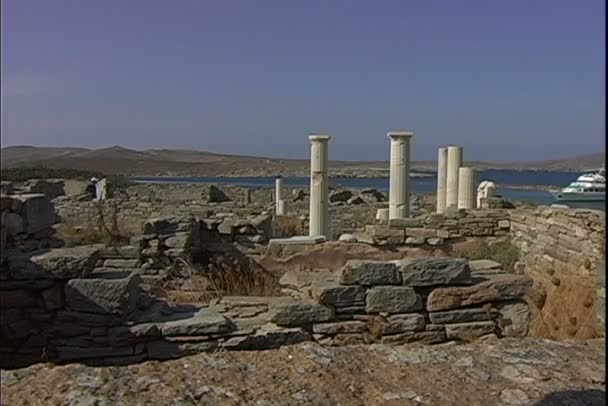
[507, 80]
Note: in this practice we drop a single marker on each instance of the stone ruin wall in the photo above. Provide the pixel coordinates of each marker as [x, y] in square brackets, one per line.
[92, 304]
[563, 250]
[56, 306]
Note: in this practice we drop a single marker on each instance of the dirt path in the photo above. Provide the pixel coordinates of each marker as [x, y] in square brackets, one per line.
[505, 372]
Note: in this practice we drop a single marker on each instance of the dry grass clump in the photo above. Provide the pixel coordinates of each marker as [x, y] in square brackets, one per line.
[503, 252]
[204, 284]
[289, 226]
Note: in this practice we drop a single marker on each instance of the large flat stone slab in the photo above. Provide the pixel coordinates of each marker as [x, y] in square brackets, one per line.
[330, 293]
[392, 299]
[401, 323]
[462, 315]
[299, 312]
[498, 288]
[435, 272]
[469, 331]
[202, 322]
[110, 294]
[267, 337]
[58, 263]
[370, 273]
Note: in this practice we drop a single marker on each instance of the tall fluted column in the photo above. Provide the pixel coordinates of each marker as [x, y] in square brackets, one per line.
[319, 202]
[454, 163]
[442, 169]
[278, 184]
[399, 192]
[466, 188]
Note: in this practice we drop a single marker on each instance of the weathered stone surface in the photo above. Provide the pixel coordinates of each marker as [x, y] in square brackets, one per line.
[369, 273]
[392, 299]
[423, 337]
[462, 315]
[59, 263]
[340, 195]
[483, 265]
[404, 223]
[298, 313]
[163, 350]
[215, 195]
[120, 263]
[263, 224]
[126, 252]
[385, 235]
[179, 240]
[340, 339]
[116, 294]
[13, 223]
[469, 331]
[347, 238]
[415, 240]
[68, 353]
[331, 294]
[514, 319]
[420, 232]
[401, 323]
[340, 327]
[168, 225]
[435, 271]
[267, 337]
[37, 212]
[355, 200]
[202, 322]
[498, 288]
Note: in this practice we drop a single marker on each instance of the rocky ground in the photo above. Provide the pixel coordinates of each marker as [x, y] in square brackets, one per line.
[506, 372]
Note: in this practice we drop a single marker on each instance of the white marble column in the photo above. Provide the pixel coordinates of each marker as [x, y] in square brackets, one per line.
[282, 208]
[454, 163]
[278, 184]
[319, 202]
[442, 169]
[399, 192]
[467, 188]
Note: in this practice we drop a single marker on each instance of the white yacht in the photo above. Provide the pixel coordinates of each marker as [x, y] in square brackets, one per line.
[589, 187]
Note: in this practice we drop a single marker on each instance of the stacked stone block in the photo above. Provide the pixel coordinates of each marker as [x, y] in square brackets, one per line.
[27, 222]
[430, 300]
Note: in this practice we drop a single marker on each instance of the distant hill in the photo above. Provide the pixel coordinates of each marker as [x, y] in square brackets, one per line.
[164, 162]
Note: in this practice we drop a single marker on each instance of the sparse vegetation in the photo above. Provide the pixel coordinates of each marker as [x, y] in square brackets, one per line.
[503, 252]
[205, 284]
[289, 226]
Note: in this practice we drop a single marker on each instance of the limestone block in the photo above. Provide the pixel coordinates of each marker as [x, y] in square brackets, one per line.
[415, 240]
[504, 224]
[342, 195]
[298, 313]
[204, 321]
[434, 241]
[401, 323]
[215, 195]
[347, 238]
[60, 263]
[330, 293]
[12, 223]
[469, 331]
[340, 327]
[462, 315]
[121, 263]
[392, 299]
[420, 232]
[498, 288]
[370, 273]
[106, 293]
[36, 210]
[514, 318]
[269, 336]
[423, 337]
[404, 223]
[435, 271]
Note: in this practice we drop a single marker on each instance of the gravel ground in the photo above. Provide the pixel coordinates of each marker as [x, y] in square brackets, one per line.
[506, 372]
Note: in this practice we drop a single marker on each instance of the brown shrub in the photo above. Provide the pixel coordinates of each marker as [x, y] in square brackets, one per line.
[503, 252]
[289, 226]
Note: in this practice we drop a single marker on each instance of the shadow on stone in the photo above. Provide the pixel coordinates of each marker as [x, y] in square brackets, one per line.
[589, 397]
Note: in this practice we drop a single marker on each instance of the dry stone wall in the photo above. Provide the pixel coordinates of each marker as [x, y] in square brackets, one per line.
[563, 250]
[27, 222]
[56, 306]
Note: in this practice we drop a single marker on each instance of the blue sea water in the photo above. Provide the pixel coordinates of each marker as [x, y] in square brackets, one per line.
[419, 185]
